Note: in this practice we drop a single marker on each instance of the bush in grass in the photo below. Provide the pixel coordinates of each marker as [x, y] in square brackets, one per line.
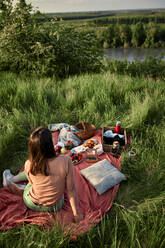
[51, 50]
[153, 67]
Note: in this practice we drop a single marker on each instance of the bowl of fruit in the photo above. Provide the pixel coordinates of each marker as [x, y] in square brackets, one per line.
[90, 143]
[76, 158]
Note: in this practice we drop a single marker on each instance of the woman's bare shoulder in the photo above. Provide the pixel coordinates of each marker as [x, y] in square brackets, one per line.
[27, 165]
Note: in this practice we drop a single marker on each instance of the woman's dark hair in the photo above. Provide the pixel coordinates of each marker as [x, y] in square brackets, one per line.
[41, 149]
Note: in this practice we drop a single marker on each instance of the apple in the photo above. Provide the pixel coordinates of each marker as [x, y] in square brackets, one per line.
[63, 150]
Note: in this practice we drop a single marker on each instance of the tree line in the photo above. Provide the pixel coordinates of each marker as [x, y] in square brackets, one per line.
[149, 35]
[129, 20]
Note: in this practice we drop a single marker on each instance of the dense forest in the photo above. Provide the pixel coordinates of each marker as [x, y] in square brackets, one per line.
[134, 35]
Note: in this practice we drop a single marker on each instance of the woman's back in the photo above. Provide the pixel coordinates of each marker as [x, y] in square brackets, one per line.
[48, 190]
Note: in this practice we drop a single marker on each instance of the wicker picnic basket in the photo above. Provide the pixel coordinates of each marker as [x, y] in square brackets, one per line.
[87, 130]
[108, 147]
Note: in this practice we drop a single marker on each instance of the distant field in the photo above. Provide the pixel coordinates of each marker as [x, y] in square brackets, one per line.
[77, 16]
[110, 13]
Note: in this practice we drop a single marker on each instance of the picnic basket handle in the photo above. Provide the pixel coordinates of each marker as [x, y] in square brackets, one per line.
[125, 135]
[83, 125]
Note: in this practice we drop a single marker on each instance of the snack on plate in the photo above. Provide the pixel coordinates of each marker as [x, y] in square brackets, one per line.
[90, 143]
[76, 158]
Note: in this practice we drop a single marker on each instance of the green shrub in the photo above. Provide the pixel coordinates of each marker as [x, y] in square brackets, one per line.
[51, 50]
[153, 67]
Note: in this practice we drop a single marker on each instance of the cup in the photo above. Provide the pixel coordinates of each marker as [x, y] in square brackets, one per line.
[91, 155]
[131, 154]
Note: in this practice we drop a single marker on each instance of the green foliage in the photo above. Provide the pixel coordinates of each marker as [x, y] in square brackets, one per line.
[152, 35]
[125, 35]
[130, 18]
[5, 12]
[138, 34]
[51, 50]
[111, 36]
[108, 34]
[116, 39]
[137, 216]
[153, 67]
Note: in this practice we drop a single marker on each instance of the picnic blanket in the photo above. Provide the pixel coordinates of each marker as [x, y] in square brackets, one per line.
[13, 211]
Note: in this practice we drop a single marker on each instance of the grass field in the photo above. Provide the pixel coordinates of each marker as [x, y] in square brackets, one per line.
[137, 218]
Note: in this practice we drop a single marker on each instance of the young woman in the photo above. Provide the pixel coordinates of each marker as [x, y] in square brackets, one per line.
[48, 176]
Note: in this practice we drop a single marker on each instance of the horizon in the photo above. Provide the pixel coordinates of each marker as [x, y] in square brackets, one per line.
[106, 10]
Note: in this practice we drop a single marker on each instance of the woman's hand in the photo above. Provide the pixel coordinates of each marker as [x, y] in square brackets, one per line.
[78, 217]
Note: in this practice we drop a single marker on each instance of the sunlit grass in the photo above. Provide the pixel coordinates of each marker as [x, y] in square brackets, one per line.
[137, 217]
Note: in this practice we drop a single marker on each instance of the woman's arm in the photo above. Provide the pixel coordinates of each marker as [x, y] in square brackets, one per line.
[72, 194]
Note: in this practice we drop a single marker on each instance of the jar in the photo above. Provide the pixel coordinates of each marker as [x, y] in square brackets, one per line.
[115, 147]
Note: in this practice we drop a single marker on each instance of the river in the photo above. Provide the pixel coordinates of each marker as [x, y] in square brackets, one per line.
[131, 54]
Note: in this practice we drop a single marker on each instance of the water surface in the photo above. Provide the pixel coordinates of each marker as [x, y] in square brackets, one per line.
[131, 54]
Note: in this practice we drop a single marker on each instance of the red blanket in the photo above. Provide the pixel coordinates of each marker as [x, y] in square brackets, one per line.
[13, 211]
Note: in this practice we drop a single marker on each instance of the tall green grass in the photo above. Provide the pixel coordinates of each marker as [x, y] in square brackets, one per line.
[137, 216]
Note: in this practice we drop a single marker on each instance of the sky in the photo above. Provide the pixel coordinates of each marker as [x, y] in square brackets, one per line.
[46, 6]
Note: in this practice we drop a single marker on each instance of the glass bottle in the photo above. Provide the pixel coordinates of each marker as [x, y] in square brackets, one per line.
[117, 127]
